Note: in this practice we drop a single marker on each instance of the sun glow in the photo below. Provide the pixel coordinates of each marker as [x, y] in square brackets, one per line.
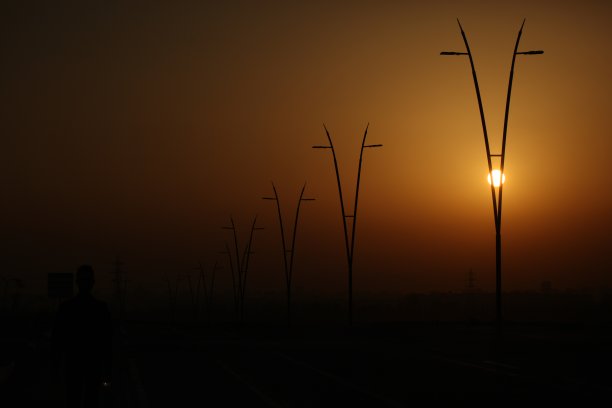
[498, 178]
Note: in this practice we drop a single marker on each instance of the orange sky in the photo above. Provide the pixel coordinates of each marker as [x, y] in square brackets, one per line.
[138, 130]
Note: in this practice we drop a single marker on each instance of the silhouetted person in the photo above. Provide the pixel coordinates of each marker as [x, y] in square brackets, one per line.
[82, 336]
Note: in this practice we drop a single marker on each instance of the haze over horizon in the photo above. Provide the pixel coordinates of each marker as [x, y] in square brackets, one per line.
[138, 129]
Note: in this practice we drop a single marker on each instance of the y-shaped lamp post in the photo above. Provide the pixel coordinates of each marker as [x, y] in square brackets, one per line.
[288, 263]
[496, 176]
[348, 242]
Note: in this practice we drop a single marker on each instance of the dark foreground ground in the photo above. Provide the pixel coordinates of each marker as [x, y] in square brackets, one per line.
[158, 365]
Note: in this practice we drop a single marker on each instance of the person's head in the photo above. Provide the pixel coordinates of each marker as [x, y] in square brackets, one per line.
[85, 278]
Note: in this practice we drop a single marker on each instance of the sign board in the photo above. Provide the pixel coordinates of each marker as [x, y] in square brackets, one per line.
[60, 285]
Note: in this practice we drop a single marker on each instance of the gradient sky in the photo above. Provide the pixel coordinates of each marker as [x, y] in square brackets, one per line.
[137, 129]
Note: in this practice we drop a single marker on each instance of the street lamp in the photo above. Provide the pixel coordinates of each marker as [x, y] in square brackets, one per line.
[348, 242]
[288, 263]
[239, 273]
[497, 175]
[208, 285]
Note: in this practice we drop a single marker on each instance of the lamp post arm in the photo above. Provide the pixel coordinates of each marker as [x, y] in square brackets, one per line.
[282, 232]
[295, 225]
[238, 260]
[365, 134]
[248, 256]
[505, 132]
[203, 282]
[211, 284]
[482, 119]
[346, 237]
[234, 283]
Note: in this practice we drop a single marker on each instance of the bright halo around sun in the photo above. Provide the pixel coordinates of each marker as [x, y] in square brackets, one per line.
[498, 178]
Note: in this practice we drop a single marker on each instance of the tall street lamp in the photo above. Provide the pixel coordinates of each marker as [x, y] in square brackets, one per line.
[496, 176]
[288, 263]
[349, 241]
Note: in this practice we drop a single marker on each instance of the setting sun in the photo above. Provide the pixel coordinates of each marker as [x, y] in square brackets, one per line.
[496, 178]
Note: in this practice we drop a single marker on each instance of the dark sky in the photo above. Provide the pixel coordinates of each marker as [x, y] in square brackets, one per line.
[137, 129]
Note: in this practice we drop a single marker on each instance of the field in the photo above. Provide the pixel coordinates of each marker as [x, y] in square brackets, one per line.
[391, 364]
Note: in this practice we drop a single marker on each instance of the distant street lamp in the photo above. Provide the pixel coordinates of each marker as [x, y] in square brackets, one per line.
[349, 242]
[497, 175]
[207, 284]
[288, 263]
[240, 267]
